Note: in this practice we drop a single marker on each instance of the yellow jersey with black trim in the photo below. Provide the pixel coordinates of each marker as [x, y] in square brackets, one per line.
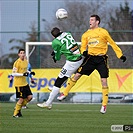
[20, 66]
[96, 42]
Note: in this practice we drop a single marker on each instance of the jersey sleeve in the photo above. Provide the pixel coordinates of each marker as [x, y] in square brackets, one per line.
[15, 67]
[83, 43]
[56, 48]
[115, 47]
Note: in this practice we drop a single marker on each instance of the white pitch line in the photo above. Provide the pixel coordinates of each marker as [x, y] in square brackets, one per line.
[57, 110]
[74, 110]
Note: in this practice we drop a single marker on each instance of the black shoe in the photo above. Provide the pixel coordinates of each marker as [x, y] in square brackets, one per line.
[18, 115]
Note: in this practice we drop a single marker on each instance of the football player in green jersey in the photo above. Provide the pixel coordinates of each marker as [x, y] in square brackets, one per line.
[65, 44]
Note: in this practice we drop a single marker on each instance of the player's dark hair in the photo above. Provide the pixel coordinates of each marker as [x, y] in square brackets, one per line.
[21, 50]
[55, 32]
[97, 18]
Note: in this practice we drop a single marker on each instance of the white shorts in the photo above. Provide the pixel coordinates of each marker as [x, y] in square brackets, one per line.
[70, 68]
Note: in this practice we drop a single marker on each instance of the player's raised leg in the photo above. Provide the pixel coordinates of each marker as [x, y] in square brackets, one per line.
[70, 84]
[48, 103]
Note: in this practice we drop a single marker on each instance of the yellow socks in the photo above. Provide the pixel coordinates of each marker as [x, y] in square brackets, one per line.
[17, 108]
[105, 96]
[24, 102]
[70, 84]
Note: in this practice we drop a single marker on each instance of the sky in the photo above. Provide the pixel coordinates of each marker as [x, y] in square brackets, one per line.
[17, 15]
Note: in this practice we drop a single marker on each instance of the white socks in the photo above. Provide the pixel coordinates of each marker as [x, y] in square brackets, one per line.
[52, 95]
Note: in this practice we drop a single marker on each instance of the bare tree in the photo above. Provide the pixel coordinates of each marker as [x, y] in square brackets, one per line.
[78, 16]
[121, 23]
[78, 20]
[8, 59]
[111, 18]
[77, 23]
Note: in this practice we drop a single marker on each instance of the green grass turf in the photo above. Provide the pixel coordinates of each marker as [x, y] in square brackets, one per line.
[64, 118]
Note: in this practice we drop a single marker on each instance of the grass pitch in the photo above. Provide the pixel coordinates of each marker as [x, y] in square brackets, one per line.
[65, 118]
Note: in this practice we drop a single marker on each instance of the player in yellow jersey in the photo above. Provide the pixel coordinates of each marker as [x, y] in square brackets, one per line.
[94, 46]
[23, 91]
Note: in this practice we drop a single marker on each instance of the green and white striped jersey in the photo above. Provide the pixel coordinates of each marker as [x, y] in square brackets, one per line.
[65, 44]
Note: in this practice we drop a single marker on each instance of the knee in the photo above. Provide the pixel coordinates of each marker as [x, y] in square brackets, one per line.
[76, 76]
[20, 101]
[29, 98]
[104, 82]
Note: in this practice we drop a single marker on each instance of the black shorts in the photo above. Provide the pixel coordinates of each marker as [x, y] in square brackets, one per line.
[23, 92]
[90, 63]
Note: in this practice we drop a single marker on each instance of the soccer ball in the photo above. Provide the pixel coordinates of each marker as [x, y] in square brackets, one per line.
[61, 14]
